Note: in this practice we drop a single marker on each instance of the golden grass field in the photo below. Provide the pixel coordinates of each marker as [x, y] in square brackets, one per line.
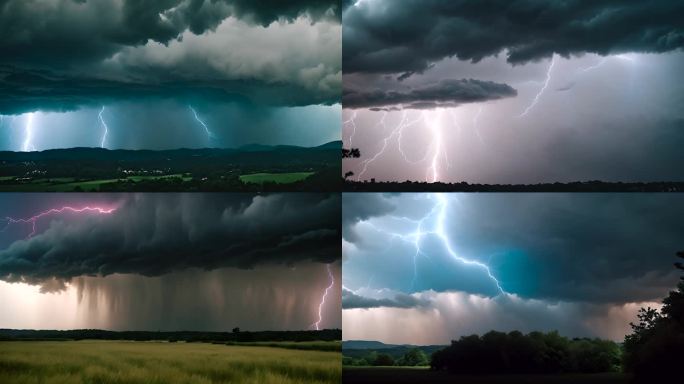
[103, 362]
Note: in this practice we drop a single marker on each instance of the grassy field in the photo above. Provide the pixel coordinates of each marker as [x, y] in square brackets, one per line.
[66, 184]
[104, 362]
[280, 178]
[335, 346]
[394, 375]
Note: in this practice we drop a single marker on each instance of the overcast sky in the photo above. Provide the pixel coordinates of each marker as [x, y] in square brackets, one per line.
[170, 261]
[429, 268]
[517, 91]
[267, 73]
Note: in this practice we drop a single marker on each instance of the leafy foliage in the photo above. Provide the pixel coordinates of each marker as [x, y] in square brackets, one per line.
[655, 348]
[536, 352]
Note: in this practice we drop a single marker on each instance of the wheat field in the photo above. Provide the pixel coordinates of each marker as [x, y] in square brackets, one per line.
[103, 362]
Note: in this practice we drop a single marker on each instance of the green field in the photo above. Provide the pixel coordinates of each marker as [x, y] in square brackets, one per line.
[280, 178]
[65, 362]
[410, 375]
[66, 184]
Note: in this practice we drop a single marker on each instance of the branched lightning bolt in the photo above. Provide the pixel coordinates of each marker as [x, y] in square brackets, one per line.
[322, 303]
[34, 219]
[206, 128]
[106, 128]
[398, 131]
[28, 138]
[415, 238]
[543, 88]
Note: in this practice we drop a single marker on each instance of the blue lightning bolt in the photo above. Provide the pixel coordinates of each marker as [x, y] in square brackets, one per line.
[438, 230]
[206, 129]
[106, 128]
[28, 138]
[543, 88]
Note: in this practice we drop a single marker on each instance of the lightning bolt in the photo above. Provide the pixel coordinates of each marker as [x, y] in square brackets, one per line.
[322, 303]
[476, 118]
[55, 211]
[436, 129]
[543, 88]
[438, 230]
[106, 129]
[397, 132]
[352, 122]
[28, 138]
[595, 66]
[206, 128]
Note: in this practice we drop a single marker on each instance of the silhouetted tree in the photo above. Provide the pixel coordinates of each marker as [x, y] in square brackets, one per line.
[655, 349]
[350, 153]
[236, 330]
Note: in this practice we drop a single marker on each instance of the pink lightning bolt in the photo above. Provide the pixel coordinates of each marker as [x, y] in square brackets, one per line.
[320, 306]
[33, 219]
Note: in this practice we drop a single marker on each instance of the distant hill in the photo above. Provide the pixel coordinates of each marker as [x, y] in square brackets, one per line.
[176, 170]
[366, 344]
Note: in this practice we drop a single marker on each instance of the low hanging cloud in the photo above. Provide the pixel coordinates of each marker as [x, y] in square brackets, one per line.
[382, 37]
[445, 93]
[400, 300]
[152, 235]
[449, 315]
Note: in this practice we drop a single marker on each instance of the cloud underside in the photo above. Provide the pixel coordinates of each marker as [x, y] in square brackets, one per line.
[351, 300]
[449, 315]
[380, 37]
[60, 55]
[154, 235]
[445, 93]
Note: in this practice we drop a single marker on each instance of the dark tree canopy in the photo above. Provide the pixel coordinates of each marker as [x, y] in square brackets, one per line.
[655, 349]
[536, 352]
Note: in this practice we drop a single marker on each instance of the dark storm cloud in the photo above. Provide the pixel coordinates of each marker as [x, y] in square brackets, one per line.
[382, 36]
[25, 91]
[152, 235]
[268, 11]
[351, 300]
[362, 206]
[68, 30]
[63, 54]
[590, 248]
[445, 93]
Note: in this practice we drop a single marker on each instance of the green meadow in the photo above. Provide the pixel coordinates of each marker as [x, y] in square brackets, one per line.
[279, 178]
[104, 362]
